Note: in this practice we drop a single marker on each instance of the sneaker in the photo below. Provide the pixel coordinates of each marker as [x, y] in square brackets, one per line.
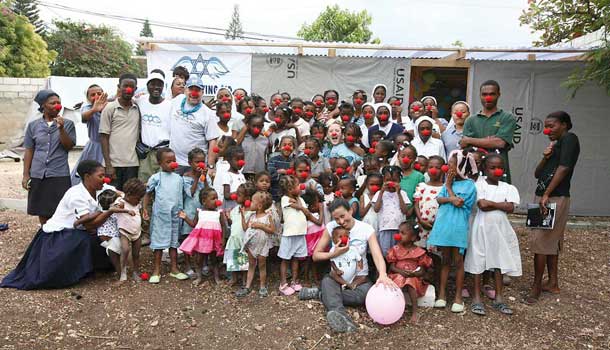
[242, 292]
[263, 292]
[309, 293]
[190, 273]
[296, 286]
[205, 271]
[339, 322]
[286, 290]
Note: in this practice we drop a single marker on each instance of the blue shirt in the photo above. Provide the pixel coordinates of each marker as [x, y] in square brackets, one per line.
[451, 226]
[451, 138]
[341, 150]
[274, 164]
[50, 157]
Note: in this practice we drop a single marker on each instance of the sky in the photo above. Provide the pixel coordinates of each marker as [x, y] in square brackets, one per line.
[477, 23]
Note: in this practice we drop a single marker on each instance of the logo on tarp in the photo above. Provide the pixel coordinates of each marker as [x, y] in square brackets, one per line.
[274, 61]
[536, 126]
[212, 67]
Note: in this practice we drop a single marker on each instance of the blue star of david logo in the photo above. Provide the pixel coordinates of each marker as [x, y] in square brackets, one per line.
[213, 67]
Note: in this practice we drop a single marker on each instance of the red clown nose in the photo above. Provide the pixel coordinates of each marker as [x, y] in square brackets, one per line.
[218, 202]
[357, 101]
[309, 114]
[374, 188]
[417, 166]
[338, 194]
[498, 172]
[238, 97]
[173, 165]
[488, 98]
[194, 94]
[248, 110]
[345, 118]
[287, 148]
[277, 102]
[107, 180]
[318, 103]
[546, 131]
[227, 115]
[416, 108]
[247, 203]
[128, 90]
[266, 109]
[397, 103]
[302, 187]
[406, 160]
[256, 131]
[344, 240]
[233, 196]
[371, 150]
[289, 171]
[201, 165]
[297, 110]
[57, 107]
[304, 175]
[459, 114]
[339, 171]
[433, 171]
[428, 108]
[331, 101]
[426, 132]
[368, 115]
[215, 149]
[307, 151]
[225, 99]
[391, 184]
[277, 120]
[383, 117]
[445, 168]
[397, 237]
[350, 138]
[241, 163]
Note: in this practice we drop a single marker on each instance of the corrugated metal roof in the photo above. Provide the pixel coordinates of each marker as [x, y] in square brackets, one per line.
[363, 50]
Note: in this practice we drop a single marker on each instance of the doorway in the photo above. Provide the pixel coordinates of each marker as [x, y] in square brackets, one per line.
[446, 84]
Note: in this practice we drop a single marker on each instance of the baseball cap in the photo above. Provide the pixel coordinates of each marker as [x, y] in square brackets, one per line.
[194, 81]
[155, 76]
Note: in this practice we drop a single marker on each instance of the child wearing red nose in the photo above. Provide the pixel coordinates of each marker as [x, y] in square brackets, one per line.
[396, 110]
[330, 111]
[298, 112]
[205, 240]
[492, 243]
[164, 222]
[344, 268]
[350, 148]
[231, 179]
[425, 144]
[391, 205]
[255, 145]
[347, 187]
[451, 137]
[319, 164]
[424, 198]
[346, 113]
[318, 101]
[293, 245]
[408, 264]
[386, 124]
[329, 183]
[278, 165]
[302, 170]
[235, 258]
[373, 184]
[358, 99]
[431, 110]
[309, 113]
[368, 120]
[315, 230]
[410, 177]
[223, 112]
[281, 127]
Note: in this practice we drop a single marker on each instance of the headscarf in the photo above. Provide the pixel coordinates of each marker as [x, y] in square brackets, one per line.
[429, 97]
[418, 121]
[386, 105]
[462, 162]
[451, 122]
[42, 96]
[375, 88]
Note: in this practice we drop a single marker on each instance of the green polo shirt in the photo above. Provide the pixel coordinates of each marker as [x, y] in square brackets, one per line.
[501, 124]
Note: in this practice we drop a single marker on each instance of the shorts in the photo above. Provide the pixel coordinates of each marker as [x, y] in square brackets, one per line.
[114, 244]
[132, 237]
[292, 247]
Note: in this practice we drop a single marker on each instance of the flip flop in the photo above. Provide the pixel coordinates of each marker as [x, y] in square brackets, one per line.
[457, 308]
[478, 309]
[179, 276]
[440, 303]
[503, 308]
[489, 291]
[154, 279]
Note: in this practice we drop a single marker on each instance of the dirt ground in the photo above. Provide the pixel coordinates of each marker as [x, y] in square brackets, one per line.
[100, 314]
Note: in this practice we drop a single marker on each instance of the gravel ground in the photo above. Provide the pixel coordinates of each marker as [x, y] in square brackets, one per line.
[101, 314]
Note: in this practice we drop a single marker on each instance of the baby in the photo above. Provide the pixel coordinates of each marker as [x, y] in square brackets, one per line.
[345, 266]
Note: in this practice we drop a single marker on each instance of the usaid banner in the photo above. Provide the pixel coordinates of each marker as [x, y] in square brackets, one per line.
[216, 70]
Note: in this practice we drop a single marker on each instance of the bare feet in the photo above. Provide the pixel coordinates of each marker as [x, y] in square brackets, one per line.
[414, 319]
[547, 287]
[197, 281]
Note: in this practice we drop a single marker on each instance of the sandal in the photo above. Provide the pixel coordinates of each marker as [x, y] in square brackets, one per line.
[478, 309]
[263, 292]
[489, 291]
[154, 279]
[179, 276]
[286, 290]
[503, 308]
[440, 303]
[457, 308]
[242, 292]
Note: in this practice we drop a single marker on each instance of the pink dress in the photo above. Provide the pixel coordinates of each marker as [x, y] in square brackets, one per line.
[206, 237]
[314, 233]
[409, 260]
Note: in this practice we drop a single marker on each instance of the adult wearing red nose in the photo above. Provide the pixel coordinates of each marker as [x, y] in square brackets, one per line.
[119, 133]
[492, 128]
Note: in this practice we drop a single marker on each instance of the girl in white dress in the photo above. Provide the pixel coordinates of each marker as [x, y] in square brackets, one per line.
[493, 243]
[426, 206]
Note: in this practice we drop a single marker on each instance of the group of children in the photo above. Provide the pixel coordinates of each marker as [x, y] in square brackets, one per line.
[274, 199]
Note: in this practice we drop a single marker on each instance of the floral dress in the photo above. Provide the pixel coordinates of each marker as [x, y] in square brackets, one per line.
[425, 196]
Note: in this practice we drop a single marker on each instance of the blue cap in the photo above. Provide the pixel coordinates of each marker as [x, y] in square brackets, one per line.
[194, 81]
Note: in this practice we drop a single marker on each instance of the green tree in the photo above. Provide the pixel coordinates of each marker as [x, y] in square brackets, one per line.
[335, 24]
[560, 21]
[145, 32]
[23, 53]
[235, 31]
[86, 50]
[457, 43]
[29, 9]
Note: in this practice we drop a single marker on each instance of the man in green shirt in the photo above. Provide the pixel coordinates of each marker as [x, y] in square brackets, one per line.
[492, 128]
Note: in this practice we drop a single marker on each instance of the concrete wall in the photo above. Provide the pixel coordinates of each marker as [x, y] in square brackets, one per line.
[16, 95]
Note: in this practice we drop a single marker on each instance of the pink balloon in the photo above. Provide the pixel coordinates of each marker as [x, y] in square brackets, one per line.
[385, 305]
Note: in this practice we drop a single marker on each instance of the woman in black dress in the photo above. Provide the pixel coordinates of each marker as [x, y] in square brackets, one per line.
[67, 248]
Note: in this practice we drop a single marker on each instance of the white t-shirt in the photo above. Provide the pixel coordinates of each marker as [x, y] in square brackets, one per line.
[303, 127]
[188, 131]
[295, 221]
[358, 238]
[348, 263]
[75, 203]
[227, 178]
[155, 121]
[390, 216]
[433, 147]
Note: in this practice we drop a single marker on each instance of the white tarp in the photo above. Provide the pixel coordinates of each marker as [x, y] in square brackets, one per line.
[532, 90]
[304, 76]
[216, 70]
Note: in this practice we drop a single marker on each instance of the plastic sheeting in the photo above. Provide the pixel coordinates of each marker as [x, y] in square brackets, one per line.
[531, 91]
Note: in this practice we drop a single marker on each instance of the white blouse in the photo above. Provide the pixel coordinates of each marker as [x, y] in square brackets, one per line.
[76, 202]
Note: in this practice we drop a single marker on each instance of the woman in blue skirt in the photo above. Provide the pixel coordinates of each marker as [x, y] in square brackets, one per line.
[67, 248]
